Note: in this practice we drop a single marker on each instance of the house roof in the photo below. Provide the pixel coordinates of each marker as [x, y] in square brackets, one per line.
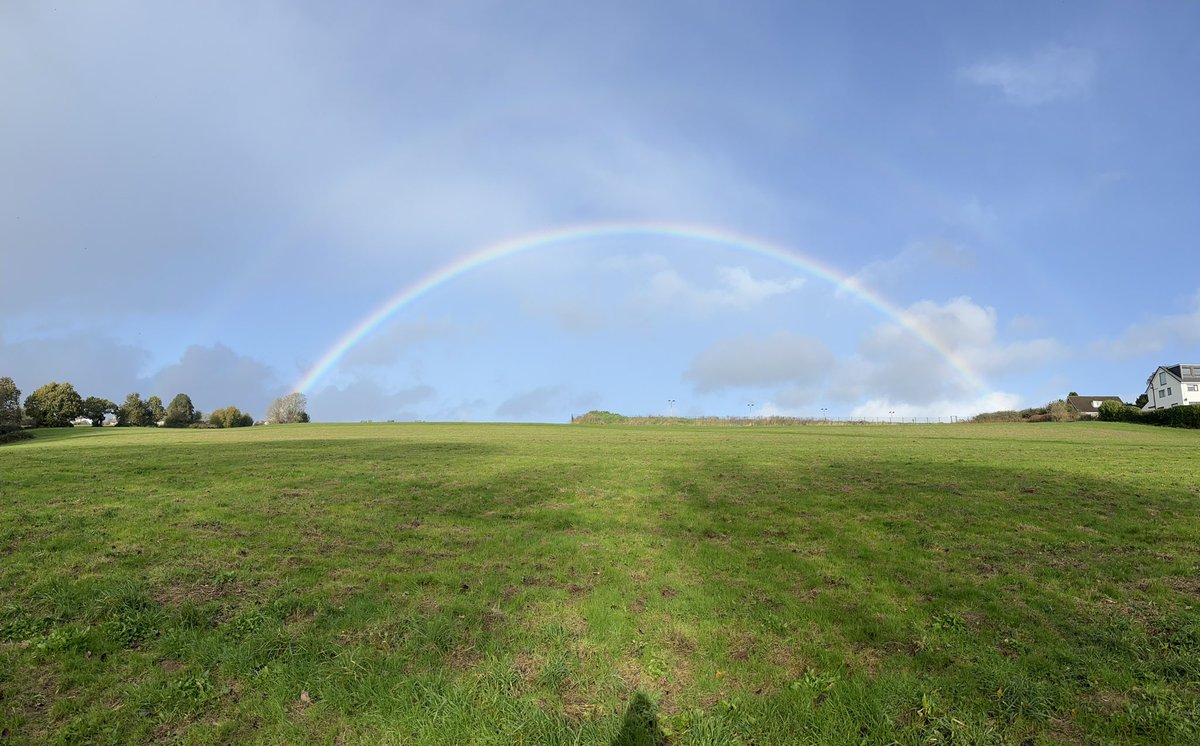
[1089, 404]
[1184, 371]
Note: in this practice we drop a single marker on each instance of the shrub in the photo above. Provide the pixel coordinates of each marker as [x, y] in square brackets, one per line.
[230, 417]
[12, 436]
[1186, 416]
[1060, 411]
[1115, 411]
[599, 417]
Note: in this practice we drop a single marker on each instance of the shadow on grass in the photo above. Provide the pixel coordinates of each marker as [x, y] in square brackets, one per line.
[640, 727]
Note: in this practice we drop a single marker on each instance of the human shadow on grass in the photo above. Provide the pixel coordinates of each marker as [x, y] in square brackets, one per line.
[640, 727]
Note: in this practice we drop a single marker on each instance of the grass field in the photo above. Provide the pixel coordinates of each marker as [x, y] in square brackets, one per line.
[504, 584]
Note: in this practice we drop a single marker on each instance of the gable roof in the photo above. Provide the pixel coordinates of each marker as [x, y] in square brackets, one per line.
[1089, 404]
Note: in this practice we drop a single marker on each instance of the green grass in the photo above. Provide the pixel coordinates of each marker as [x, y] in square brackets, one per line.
[575, 584]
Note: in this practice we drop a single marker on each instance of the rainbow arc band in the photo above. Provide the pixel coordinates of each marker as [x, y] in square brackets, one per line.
[495, 252]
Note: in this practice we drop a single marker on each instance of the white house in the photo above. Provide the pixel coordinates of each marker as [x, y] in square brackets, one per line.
[1173, 386]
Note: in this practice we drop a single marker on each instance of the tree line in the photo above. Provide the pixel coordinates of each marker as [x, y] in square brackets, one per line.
[60, 405]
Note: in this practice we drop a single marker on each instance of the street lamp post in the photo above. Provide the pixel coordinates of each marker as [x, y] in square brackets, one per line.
[825, 413]
[891, 415]
[671, 405]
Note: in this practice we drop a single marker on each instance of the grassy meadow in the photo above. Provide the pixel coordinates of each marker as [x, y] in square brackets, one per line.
[503, 584]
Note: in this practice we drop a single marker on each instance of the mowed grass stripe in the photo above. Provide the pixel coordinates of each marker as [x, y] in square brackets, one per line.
[507, 584]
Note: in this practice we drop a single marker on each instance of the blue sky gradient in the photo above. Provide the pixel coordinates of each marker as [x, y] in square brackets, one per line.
[206, 197]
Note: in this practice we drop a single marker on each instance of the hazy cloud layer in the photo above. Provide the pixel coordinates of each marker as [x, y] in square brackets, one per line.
[544, 402]
[396, 339]
[1173, 335]
[95, 364]
[750, 361]
[367, 400]
[216, 377]
[1047, 75]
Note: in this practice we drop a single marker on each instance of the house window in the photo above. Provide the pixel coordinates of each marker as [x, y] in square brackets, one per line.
[1162, 393]
[1193, 387]
[1162, 379]
[1168, 391]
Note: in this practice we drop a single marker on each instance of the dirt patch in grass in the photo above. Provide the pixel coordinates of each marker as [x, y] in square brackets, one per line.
[790, 662]
[198, 593]
[577, 706]
[1183, 584]
[464, 659]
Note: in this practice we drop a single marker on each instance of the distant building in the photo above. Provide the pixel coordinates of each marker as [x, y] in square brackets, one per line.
[1089, 406]
[1173, 386]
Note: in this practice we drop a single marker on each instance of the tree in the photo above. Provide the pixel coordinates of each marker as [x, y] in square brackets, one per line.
[53, 405]
[1073, 393]
[1060, 411]
[96, 409]
[180, 412]
[134, 412]
[230, 417]
[290, 408]
[10, 405]
[157, 413]
[1142, 400]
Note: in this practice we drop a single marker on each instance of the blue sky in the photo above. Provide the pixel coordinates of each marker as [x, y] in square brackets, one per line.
[206, 197]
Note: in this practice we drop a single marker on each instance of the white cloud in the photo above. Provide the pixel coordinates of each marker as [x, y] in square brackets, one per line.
[747, 361]
[736, 289]
[962, 407]
[970, 331]
[890, 365]
[1051, 74]
[1156, 335]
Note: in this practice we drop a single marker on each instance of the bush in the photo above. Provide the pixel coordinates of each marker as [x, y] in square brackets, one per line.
[1004, 415]
[1186, 416]
[12, 436]
[230, 417]
[1115, 411]
[599, 417]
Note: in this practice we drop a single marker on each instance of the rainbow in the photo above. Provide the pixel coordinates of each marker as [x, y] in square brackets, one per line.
[574, 234]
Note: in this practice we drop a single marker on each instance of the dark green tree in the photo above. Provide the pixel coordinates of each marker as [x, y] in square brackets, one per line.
[10, 405]
[180, 412]
[53, 405]
[96, 409]
[134, 412]
[1142, 400]
[157, 412]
